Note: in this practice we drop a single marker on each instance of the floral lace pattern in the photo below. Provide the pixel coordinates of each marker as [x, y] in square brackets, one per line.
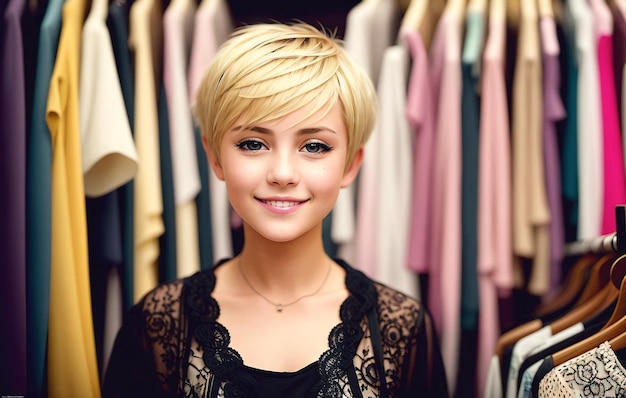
[371, 351]
[596, 373]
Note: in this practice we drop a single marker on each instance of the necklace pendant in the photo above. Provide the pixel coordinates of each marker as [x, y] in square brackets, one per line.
[279, 307]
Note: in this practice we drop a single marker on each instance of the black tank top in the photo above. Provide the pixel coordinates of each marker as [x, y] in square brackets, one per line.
[296, 384]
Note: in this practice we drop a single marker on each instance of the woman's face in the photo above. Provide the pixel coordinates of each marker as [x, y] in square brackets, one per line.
[283, 176]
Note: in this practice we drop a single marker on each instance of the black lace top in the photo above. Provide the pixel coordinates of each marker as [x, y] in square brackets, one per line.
[171, 345]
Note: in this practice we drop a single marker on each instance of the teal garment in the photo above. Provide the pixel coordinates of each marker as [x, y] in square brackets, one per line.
[569, 154]
[38, 203]
[167, 241]
[203, 205]
[473, 42]
[470, 115]
[329, 245]
[118, 24]
[104, 226]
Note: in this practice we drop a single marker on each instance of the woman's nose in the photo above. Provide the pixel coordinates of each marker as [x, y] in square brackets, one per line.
[283, 171]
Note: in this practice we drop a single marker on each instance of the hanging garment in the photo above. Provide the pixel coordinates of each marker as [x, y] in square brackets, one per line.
[145, 37]
[598, 371]
[72, 364]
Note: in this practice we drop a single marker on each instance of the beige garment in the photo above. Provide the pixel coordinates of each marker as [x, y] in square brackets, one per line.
[531, 213]
[109, 156]
[108, 149]
[145, 41]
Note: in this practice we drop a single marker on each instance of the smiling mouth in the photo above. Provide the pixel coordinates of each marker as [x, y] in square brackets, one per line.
[281, 203]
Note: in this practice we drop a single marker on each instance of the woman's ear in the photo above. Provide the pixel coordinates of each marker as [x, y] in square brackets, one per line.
[352, 170]
[215, 165]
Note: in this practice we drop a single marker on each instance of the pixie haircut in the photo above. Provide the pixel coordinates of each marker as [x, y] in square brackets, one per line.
[267, 71]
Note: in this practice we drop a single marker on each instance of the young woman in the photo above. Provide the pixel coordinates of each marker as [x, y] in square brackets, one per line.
[284, 115]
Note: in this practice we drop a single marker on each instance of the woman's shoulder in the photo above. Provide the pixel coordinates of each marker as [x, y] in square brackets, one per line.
[168, 295]
[394, 305]
[391, 303]
[162, 299]
[391, 296]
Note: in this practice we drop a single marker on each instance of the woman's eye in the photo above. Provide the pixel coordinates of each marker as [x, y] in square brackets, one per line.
[316, 147]
[251, 145]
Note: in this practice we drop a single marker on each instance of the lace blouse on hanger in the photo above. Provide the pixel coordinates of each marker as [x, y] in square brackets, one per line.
[172, 345]
[596, 373]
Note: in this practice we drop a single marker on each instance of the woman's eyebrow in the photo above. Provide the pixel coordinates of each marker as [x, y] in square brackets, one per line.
[304, 131]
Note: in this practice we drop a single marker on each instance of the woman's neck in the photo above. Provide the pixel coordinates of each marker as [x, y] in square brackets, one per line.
[284, 266]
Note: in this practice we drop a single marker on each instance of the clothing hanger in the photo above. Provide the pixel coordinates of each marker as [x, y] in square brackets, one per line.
[545, 8]
[572, 286]
[600, 276]
[619, 323]
[403, 5]
[456, 6]
[612, 330]
[414, 14]
[480, 5]
[619, 342]
[605, 297]
[497, 8]
[600, 269]
[512, 336]
[600, 294]
[413, 19]
[513, 13]
[618, 274]
[423, 15]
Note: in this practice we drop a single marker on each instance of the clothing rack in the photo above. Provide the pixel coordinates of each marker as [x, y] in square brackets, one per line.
[610, 243]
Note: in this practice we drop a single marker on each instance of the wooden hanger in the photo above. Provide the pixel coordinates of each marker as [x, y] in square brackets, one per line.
[586, 310]
[614, 327]
[414, 14]
[589, 343]
[413, 18]
[599, 294]
[618, 273]
[480, 5]
[512, 336]
[497, 9]
[545, 8]
[600, 276]
[456, 6]
[403, 5]
[513, 13]
[618, 342]
[572, 286]
[423, 15]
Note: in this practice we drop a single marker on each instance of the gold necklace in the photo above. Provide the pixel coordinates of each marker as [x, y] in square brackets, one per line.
[281, 306]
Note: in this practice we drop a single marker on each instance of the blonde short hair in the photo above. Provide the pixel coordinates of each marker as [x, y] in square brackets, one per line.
[267, 71]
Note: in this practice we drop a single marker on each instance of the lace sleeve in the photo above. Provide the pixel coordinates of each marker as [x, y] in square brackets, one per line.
[425, 370]
[410, 345]
[145, 358]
